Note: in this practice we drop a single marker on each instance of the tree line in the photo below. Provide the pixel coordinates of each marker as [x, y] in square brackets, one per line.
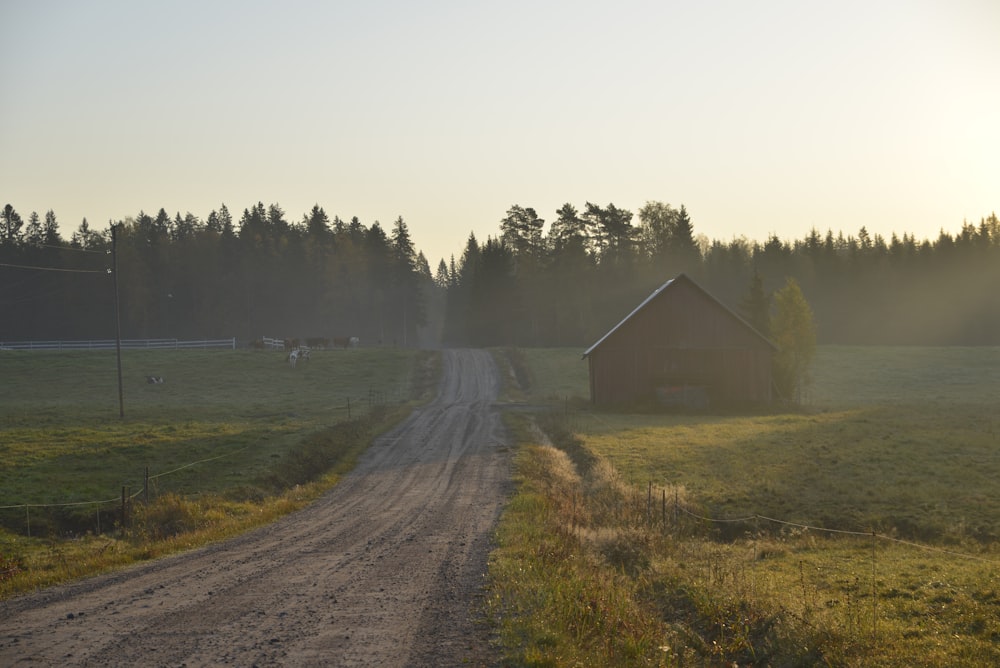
[186, 278]
[562, 283]
[569, 284]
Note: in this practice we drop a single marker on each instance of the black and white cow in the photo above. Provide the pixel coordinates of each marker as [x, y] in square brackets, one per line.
[298, 354]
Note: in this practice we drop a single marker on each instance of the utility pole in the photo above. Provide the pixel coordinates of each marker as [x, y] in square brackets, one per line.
[118, 320]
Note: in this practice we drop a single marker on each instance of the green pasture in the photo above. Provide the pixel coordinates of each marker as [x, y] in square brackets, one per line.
[218, 422]
[886, 551]
[896, 439]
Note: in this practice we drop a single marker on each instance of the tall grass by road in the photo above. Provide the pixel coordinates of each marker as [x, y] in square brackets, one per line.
[619, 549]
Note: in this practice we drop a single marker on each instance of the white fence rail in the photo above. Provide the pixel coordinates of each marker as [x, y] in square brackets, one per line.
[109, 344]
[268, 342]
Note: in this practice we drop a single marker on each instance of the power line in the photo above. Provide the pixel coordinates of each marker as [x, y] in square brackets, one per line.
[71, 248]
[79, 250]
[71, 271]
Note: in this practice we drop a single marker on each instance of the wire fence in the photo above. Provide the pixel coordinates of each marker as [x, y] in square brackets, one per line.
[352, 408]
[854, 575]
[823, 575]
[679, 508]
[752, 523]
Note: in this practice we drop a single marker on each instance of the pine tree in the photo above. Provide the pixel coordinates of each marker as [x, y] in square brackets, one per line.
[10, 226]
[568, 231]
[683, 244]
[441, 276]
[521, 230]
[33, 233]
[317, 224]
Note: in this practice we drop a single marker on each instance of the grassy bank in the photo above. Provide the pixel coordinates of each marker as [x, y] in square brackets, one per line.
[621, 549]
[230, 440]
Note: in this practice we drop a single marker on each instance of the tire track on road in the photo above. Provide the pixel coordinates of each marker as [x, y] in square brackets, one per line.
[385, 570]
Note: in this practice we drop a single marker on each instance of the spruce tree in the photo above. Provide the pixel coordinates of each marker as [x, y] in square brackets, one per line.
[757, 306]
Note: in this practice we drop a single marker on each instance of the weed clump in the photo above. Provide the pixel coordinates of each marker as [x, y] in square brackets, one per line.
[9, 567]
[168, 516]
[626, 552]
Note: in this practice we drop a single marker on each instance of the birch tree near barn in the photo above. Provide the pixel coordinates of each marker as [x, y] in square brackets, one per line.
[794, 331]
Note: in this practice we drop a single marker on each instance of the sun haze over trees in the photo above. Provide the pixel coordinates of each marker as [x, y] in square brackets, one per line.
[536, 283]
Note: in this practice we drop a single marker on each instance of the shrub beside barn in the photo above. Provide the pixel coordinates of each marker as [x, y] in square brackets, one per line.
[681, 348]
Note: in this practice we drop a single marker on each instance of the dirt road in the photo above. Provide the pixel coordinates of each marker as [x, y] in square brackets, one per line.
[385, 570]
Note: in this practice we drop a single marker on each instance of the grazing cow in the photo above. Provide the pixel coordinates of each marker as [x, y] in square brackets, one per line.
[346, 342]
[154, 380]
[298, 354]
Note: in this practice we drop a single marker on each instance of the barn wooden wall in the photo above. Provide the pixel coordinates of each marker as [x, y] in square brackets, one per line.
[682, 336]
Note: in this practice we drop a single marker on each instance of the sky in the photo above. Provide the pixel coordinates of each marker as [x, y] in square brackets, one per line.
[763, 118]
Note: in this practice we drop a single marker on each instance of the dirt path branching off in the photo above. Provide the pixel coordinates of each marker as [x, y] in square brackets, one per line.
[385, 570]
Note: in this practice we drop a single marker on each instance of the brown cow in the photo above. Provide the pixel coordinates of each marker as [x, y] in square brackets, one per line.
[346, 342]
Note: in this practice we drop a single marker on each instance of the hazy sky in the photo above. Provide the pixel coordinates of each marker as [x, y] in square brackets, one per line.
[761, 117]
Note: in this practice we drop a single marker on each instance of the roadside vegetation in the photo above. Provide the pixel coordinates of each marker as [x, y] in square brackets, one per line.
[230, 440]
[860, 529]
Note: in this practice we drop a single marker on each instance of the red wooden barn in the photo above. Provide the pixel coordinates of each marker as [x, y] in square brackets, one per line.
[681, 347]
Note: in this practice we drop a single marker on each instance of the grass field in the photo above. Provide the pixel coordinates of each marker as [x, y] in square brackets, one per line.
[63, 439]
[226, 434]
[617, 548]
[903, 439]
[902, 442]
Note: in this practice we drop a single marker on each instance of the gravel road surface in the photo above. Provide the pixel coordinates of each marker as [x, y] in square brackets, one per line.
[385, 570]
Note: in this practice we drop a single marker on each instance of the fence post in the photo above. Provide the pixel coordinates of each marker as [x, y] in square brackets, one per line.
[27, 516]
[124, 511]
[874, 595]
[572, 522]
[145, 487]
[649, 502]
[348, 408]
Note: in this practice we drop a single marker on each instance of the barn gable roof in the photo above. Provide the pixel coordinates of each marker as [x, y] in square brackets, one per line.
[675, 281]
